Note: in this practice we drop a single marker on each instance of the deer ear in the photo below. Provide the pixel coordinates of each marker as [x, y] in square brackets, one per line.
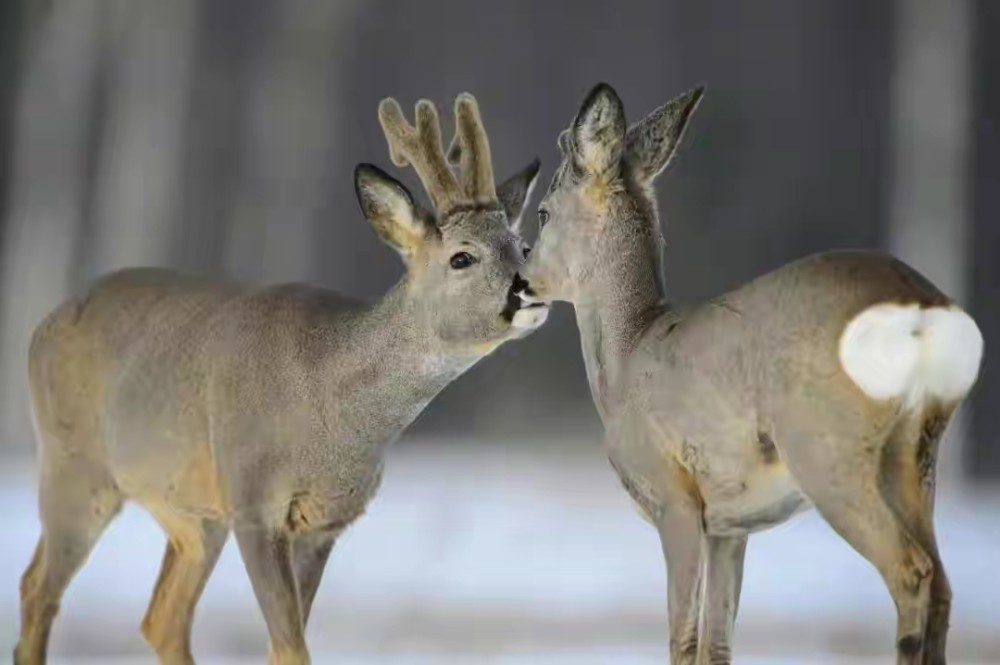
[390, 208]
[651, 143]
[514, 192]
[599, 131]
[565, 142]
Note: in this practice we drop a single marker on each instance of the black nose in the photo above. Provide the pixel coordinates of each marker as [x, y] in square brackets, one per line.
[513, 300]
[520, 284]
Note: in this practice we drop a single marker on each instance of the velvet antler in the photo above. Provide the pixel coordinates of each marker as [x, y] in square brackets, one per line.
[420, 147]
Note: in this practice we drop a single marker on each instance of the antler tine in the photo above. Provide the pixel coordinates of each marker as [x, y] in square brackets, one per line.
[396, 129]
[471, 149]
[420, 147]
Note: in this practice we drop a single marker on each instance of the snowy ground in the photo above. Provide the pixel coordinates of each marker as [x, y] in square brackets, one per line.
[509, 554]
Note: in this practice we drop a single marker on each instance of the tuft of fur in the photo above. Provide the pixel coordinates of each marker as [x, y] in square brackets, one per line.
[891, 350]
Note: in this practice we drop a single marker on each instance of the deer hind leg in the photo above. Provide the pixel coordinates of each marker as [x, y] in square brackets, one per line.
[78, 499]
[723, 580]
[311, 551]
[842, 476]
[909, 476]
[193, 548]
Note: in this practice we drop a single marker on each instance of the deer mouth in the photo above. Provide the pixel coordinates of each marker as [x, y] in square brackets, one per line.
[521, 312]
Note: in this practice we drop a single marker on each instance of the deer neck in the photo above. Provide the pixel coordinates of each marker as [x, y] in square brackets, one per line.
[401, 365]
[617, 304]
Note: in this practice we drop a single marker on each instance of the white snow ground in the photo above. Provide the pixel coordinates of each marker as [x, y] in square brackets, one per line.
[511, 554]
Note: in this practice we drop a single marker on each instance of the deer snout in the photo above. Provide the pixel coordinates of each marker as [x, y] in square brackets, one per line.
[520, 284]
[522, 313]
[522, 289]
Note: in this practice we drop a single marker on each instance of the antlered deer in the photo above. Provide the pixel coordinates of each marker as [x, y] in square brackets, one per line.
[265, 412]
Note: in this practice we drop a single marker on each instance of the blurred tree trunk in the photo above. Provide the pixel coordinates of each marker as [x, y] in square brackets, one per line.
[136, 188]
[931, 83]
[929, 196]
[982, 458]
[10, 61]
[108, 162]
[212, 144]
[20, 21]
[289, 140]
[49, 188]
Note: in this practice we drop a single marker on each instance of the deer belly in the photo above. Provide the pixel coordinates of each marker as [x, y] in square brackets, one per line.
[763, 499]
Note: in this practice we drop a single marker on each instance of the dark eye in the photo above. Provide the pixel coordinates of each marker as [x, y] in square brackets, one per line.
[526, 251]
[462, 260]
[543, 217]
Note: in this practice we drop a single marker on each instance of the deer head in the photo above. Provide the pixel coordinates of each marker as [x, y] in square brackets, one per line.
[600, 207]
[462, 259]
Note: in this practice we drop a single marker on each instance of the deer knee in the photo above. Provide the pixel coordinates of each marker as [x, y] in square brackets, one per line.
[719, 654]
[39, 605]
[32, 576]
[169, 648]
[164, 636]
[684, 650]
[151, 630]
[940, 588]
[913, 573]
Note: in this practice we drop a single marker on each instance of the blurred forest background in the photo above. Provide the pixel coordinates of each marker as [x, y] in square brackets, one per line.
[220, 136]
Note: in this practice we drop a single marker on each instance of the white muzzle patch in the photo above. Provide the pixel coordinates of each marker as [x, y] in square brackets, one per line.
[528, 318]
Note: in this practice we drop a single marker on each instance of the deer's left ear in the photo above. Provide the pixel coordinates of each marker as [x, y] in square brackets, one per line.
[598, 132]
[390, 209]
[515, 192]
[651, 143]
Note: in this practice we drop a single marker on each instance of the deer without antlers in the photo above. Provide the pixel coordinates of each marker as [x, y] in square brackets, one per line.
[265, 412]
[827, 382]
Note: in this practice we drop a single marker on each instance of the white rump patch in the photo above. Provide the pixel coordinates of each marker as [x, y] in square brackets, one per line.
[893, 350]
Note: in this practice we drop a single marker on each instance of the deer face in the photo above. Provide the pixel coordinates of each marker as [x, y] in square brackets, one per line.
[468, 280]
[600, 203]
[461, 270]
[462, 260]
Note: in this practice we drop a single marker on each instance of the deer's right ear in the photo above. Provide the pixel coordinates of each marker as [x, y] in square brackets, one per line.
[390, 208]
[599, 131]
[650, 144]
[515, 191]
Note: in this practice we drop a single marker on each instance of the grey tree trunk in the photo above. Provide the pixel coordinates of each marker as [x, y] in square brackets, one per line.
[137, 186]
[929, 223]
[290, 139]
[49, 190]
